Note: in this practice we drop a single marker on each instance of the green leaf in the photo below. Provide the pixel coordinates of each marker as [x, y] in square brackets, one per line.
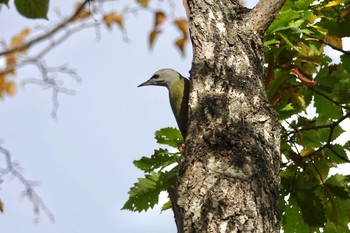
[330, 227]
[292, 220]
[6, 2]
[337, 154]
[282, 20]
[338, 200]
[144, 194]
[160, 159]
[303, 4]
[169, 136]
[335, 28]
[347, 146]
[339, 185]
[311, 206]
[326, 108]
[33, 9]
[167, 205]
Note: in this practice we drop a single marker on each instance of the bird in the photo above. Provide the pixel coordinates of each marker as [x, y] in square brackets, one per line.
[178, 87]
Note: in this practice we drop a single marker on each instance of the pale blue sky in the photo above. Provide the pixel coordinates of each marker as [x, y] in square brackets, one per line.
[83, 160]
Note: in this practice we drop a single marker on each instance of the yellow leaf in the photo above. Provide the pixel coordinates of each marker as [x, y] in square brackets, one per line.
[113, 17]
[10, 88]
[11, 60]
[180, 43]
[334, 3]
[82, 14]
[298, 99]
[306, 151]
[182, 24]
[160, 18]
[143, 3]
[334, 41]
[152, 36]
[19, 39]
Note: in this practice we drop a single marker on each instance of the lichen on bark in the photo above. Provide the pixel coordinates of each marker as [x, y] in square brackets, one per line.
[228, 179]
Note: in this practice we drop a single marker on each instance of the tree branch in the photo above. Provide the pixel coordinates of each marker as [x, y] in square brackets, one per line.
[263, 14]
[46, 35]
[29, 191]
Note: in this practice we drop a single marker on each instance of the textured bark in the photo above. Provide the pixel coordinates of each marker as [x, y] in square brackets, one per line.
[228, 179]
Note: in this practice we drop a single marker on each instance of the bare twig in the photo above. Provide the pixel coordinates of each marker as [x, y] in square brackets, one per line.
[29, 192]
[49, 81]
[328, 144]
[48, 34]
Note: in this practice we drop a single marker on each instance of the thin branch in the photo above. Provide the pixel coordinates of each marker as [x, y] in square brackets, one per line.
[330, 45]
[51, 82]
[328, 98]
[49, 47]
[48, 34]
[29, 191]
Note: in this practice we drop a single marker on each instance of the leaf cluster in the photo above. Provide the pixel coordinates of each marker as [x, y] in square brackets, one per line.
[160, 171]
[301, 77]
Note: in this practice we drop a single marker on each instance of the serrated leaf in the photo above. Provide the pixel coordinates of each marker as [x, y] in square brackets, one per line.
[159, 160]
[336, 153]
[33, 9]
[347, 146]
[326, 108]
[338, 184]
[169, 136]
[144, 194]
[338, 200]
[167, 205]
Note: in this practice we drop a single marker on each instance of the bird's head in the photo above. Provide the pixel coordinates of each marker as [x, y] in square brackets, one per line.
[163, 77]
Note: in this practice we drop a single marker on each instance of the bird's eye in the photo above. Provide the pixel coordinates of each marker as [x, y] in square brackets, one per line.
[155, 76]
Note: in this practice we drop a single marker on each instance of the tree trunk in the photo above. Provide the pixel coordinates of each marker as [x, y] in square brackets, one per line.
[228, 179]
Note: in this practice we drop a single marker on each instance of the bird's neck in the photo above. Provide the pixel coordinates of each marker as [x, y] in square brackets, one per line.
[178, 94]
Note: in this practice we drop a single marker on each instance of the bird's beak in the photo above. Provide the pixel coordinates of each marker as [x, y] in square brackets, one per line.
[147, 83]
[152, 81]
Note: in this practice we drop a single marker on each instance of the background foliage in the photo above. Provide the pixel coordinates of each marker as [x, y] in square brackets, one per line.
[312, 97]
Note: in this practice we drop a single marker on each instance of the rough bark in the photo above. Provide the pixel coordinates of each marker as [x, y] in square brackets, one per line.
[228, 179]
